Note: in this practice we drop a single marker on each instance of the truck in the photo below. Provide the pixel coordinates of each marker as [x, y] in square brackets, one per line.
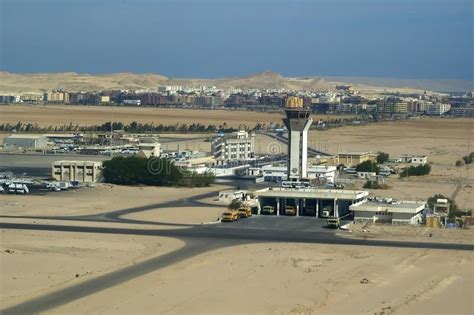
[268, 210]
[245, 212]
[290, 210]
[229, 216]
[333, 222]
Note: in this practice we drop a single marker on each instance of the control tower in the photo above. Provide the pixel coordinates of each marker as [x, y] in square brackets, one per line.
[297, 121]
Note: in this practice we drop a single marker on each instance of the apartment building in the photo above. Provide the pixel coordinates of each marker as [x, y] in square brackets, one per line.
[236, 146]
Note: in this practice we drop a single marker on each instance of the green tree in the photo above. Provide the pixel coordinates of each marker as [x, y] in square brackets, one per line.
[368, 166]
[382, 157]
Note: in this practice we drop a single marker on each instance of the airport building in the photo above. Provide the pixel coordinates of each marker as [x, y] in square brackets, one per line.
[25, 141]
[272, 173]
[236, 146]
[297, 121]
[310, 201]
[388, 211]
[80, 171]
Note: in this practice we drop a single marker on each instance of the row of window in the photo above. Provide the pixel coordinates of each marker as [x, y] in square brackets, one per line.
[384, 213]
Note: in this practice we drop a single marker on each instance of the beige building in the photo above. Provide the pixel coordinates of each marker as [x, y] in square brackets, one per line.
[352, 158]
[149, 147]
[56, 97]
[81, 171]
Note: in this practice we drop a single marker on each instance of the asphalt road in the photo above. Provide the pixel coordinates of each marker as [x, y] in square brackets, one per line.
[197, 238]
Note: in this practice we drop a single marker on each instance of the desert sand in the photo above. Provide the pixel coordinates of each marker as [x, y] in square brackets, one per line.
[59, 115]
[89, 201]
[33, 262]
[296, 279]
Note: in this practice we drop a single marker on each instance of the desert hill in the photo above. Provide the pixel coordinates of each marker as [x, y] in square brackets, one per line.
[71, 81]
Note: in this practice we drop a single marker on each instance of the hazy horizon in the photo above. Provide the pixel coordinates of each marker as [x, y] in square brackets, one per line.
[423, 39]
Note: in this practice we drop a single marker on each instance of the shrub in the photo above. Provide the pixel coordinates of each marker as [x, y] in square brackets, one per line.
[374, 184]
[468, 158]
[235, 204]
[415, 170]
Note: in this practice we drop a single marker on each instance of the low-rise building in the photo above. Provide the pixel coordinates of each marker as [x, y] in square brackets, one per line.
[277, 173]
[413, 159]
[352, 158]
[388, 211]
[25, 141]
[80, 171]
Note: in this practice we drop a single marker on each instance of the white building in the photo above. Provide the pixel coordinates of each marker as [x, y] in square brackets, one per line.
[279, 173]
[236, 146]
[438, 109]
[413, 159]
[80, 171]
[387, 211]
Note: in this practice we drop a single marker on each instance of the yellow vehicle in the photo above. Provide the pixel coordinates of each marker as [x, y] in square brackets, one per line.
[245, 212]
[333, 222]
[230, 216]
[268, 210]
[290, 210]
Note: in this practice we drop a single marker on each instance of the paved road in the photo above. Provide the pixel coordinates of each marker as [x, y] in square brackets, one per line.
[198, 239]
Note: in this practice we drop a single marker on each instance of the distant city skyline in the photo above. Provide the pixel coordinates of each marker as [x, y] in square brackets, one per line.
[409, 39]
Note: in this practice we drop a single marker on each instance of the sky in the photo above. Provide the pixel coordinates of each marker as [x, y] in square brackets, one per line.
[411, 39]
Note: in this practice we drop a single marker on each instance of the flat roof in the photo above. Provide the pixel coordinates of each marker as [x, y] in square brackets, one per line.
[24, 136]
[314, 193]
[74, 162]
[402, 207]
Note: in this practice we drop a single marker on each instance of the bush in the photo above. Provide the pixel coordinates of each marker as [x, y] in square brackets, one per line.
[368, 166]
[235, 204]
[415, 170]
[468, 158]
[154, 172]
[382, 157]
[458, 163]
[374, 184]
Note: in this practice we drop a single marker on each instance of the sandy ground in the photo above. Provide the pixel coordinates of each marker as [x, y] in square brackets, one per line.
[59, 115]
[34, 262]
[413, 233]
[311, 279]
[182, 215]
[102, 198]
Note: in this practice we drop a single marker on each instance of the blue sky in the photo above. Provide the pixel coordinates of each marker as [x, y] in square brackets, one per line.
[429, 39]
